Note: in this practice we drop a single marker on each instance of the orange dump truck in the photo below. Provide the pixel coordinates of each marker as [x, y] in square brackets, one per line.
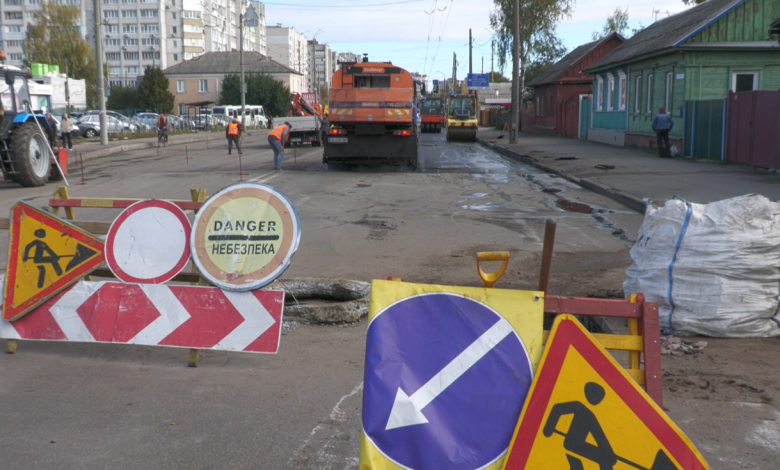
[372, 115]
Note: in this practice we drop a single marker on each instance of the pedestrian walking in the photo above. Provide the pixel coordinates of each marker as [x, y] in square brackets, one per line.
[662, 124]
[67, 131]
[52, 130]
[324, 126]
[277, 138]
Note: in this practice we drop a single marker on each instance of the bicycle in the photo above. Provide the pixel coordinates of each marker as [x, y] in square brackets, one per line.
[162, 138]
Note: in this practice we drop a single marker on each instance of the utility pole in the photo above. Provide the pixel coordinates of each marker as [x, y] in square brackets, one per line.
[101, 83]
[492, 53]
[454, 71]
[470, 71]
[67, 89]
[241, 54]
[515, 75]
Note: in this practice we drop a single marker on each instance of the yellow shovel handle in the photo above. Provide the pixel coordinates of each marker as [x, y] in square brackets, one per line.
[490, 279]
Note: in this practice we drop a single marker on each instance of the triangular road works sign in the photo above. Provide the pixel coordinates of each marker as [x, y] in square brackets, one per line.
[45, 255]
[585, 412]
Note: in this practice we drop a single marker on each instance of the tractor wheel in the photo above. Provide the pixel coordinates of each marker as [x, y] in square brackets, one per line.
[31, 156]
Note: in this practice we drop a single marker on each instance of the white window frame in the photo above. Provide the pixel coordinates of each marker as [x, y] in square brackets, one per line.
[203, 86]
[181, 86]
[622, 91]
[744, 72]
[649, 107]
[610, 91]
[638, 94]
[668, 84]
[600, 91]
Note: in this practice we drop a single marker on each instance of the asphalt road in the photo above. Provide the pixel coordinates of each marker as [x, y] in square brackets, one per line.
[99, 406]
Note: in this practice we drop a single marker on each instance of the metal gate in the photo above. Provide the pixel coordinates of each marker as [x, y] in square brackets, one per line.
[704, 129]
[753, 128]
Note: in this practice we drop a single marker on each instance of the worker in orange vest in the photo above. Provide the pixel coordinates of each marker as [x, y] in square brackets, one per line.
[233, 134]
[277, 138]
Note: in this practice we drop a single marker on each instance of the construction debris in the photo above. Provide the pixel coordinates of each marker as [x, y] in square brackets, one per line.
[321, 300]
[673, 346]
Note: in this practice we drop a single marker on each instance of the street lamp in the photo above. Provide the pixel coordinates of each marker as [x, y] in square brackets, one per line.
[251, 19]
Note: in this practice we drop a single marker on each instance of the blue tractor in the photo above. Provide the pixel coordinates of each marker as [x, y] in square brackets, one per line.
[25, 155]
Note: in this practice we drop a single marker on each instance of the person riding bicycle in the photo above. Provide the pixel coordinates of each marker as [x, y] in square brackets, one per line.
[162, 126]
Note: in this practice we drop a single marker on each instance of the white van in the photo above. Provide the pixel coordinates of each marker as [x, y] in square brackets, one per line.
[255, 115]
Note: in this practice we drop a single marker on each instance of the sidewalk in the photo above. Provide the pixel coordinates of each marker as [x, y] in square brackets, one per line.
[93, 149]
[638, 173]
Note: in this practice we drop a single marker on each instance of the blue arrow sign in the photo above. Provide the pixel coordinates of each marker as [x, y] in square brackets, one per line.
[445, 381]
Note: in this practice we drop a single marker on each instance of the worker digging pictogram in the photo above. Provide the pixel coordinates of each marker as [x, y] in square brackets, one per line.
[585, 440]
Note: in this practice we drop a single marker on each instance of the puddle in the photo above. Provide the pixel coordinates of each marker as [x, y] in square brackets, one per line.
[551, 190]
[617, 232]
[473, 195]
[491, 208]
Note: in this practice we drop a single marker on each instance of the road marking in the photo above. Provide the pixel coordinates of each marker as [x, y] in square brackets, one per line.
[407, 410]
[268, 176]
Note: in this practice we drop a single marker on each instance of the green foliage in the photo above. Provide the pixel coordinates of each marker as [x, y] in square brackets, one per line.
[261, 89]
[537, 39]
[617, 22]
[122, 97]
[535, 69]
[53, 38]
[496, 77]
[153, 92]
[323, 95]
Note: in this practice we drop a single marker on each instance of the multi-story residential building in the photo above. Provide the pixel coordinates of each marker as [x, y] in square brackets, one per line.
[320, 68]
[339, 57]
[289, 47]
[136, 34]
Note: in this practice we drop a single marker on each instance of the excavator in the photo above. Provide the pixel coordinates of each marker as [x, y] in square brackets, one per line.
[462, 121]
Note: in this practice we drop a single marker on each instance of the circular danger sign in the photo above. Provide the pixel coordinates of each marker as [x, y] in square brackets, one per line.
[244, 236]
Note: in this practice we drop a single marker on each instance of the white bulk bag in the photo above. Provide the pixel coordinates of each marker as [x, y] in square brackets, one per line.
[714, 269]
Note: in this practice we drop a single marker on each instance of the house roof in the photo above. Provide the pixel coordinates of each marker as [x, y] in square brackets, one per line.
[568, 60]
[229, 62]
[667, 33]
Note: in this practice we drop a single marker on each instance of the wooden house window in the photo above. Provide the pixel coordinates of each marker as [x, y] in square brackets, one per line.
[668, 93]
[600, 91]
[610, 91]
[622, 82]
[744, 81]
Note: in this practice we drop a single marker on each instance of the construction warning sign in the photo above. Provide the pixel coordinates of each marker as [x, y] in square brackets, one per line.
[45, 255]
[585, 412]
[447, 371]
[244, 236]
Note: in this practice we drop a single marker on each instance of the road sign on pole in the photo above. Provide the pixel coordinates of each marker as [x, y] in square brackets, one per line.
[446, 374]
[156, 315]
[584, 409]
[45, 255]
[244, 236]
[149, 243]
[478, 81]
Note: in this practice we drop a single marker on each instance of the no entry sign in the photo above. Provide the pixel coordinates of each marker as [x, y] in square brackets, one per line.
[244, 236]
[148, 243]
[447, 371]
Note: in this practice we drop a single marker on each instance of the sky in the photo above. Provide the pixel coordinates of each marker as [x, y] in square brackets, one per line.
[421, 35]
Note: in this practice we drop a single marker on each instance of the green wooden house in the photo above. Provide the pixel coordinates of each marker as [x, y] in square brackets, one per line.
[694, 56]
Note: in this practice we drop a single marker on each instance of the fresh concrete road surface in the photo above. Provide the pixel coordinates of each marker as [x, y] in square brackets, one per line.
[109, 406]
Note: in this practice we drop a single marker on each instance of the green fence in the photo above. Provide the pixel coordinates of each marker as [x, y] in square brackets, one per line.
[705, 129]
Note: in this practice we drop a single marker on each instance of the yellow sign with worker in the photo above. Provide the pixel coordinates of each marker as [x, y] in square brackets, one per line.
[45, 255]
[585, 412]
[447, 371]
[244, 236]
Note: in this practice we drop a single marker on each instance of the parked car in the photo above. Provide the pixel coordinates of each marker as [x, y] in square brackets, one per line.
[90, 125]
[148, 119]
[126, 124]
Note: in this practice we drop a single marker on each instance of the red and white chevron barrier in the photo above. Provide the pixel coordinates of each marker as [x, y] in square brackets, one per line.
[156, 315]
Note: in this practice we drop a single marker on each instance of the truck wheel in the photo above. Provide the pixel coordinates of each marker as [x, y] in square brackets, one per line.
[31, 156]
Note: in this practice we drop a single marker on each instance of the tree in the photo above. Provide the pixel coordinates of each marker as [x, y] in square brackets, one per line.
[693, 2]
[537, 39]
[323, 95]
[498, 78]
[122, 97]
[153, 91]
[262, 90]
[54, 38]
[617, 22]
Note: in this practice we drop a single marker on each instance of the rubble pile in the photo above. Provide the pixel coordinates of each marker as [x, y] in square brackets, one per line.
[673, 346]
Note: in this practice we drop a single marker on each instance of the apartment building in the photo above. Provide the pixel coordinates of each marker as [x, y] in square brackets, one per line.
[289, 47]
[320, 68]
[337, 58]
[137, 34]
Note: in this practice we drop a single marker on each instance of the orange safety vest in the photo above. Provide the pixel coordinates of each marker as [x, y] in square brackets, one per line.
[279, 132]
[233, 129]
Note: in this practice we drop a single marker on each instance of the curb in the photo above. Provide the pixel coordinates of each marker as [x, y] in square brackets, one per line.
[629, 200]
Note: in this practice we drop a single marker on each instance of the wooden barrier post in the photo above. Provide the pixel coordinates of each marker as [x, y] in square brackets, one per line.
[547, 254]
[197, 195]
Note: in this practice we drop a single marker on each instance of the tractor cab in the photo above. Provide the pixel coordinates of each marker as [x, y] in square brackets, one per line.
[25, 154]
[462, 118]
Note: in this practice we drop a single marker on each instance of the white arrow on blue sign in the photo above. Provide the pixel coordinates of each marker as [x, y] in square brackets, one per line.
[445, 381]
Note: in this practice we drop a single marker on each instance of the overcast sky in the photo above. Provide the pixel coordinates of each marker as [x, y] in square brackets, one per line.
[421, 35]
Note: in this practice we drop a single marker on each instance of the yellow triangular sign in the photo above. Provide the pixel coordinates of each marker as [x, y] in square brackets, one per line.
[584, 411]
[45, 255]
